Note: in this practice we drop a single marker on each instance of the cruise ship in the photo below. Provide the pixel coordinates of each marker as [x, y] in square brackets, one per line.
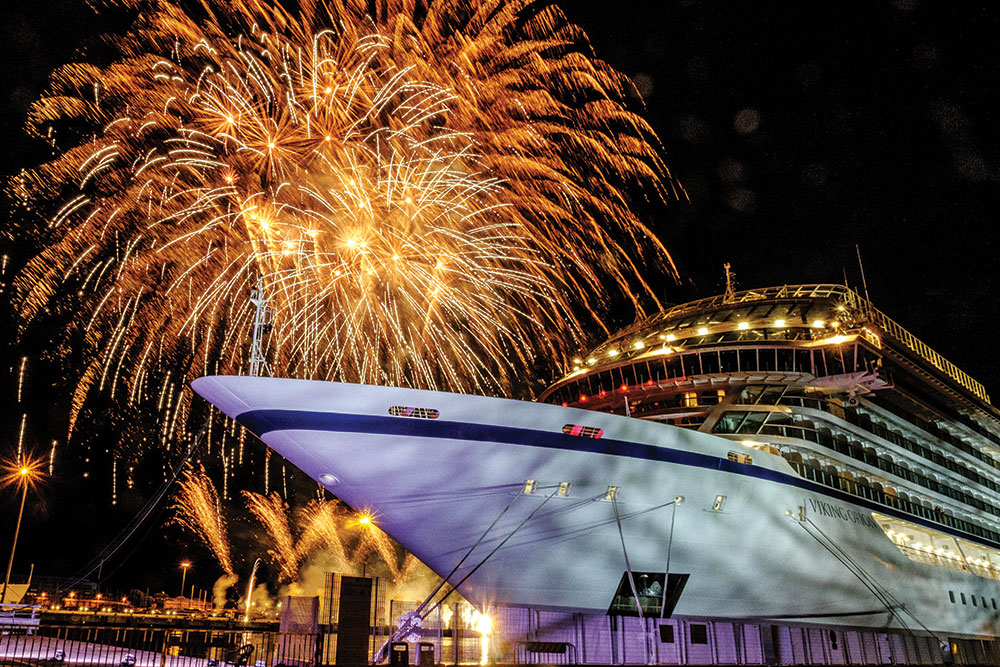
[787, 453]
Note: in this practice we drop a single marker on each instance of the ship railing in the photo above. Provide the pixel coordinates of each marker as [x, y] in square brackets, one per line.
[18, 617]
[864, 422]
[924, 351]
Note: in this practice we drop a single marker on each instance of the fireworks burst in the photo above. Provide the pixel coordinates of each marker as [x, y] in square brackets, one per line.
[196, 507]
[430, 194]
[329, 526]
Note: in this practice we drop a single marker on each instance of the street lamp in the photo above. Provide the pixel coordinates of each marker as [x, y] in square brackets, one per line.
[24, 474]
[185, 564]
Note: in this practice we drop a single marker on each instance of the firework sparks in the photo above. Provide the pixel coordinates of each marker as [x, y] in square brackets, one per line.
[322, 524]
[430, 195]
[272, 512]
[196, 507]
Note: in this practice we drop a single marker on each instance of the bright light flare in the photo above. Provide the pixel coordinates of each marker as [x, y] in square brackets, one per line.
[24, 472]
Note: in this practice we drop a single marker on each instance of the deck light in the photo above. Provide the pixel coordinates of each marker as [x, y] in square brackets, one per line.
[639, 345]
[743, 325]
[779, 323]
[612, 352]
[671, 337]
[817, 324]
[702, 331]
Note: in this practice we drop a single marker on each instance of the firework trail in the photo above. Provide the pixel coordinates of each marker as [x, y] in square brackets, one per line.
[374, 540]
[272, 512]
[322, 523]
[196, 507]
[431, 193]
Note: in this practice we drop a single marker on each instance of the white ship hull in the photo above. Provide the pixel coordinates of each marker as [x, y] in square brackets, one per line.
[436, 485]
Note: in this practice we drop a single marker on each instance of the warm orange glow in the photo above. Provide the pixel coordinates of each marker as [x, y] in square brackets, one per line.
[24, 472]
[358, 111]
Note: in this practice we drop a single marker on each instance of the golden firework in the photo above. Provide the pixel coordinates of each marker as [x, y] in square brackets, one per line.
[196, 507]
[430, 193]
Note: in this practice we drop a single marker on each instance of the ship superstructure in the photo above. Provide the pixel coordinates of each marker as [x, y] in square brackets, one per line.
[819, 376]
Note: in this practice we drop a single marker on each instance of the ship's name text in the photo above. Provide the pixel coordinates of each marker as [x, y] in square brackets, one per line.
[827, 509]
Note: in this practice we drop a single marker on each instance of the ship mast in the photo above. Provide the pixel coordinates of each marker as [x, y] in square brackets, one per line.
[729, 295]
[262, 323]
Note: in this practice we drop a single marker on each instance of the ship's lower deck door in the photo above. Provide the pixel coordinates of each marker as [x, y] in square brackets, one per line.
[649, 585]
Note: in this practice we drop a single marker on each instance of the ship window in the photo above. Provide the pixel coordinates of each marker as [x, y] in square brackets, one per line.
[709, 362]
[765, 359]
[712, 396]
[699, 633]
[951, 596]
[419, 413]
[753, 422]
[666, 634]
[963, 598]
[750, 393]
[728, 362]
[748, 360]
[673, 366]
[771, 394]
[974, 604]
[803, 361]
[691, 364]
[984, 602]
[729, 422]
[785, 360]
[994, 600]
[642, 372]
[689, 399]
[583, 431]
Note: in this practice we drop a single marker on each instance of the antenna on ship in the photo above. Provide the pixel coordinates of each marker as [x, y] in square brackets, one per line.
[262, 323]
[864, 283]
[729, 296]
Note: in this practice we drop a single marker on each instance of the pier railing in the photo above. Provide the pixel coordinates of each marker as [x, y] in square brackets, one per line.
[157, 647]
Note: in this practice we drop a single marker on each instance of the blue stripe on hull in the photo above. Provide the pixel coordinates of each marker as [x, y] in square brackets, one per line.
[265, 421]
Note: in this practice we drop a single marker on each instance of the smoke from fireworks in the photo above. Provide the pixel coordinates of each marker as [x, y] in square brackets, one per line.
[346, 540]
[430, 194]
[196, 507]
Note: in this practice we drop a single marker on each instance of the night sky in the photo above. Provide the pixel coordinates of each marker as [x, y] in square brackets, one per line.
[798, 129]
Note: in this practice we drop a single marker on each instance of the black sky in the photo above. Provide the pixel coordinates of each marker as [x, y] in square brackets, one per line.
[798, 129]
